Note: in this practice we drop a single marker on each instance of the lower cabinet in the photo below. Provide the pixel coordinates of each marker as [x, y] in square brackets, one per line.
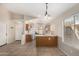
[49, 41]
[28, 38]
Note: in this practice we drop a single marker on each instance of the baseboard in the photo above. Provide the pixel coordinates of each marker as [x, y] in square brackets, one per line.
[3, 45]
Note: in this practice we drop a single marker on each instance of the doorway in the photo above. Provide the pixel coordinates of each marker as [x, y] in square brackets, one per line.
[19, 30]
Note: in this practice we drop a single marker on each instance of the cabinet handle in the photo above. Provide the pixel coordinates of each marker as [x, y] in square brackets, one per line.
[49, 38]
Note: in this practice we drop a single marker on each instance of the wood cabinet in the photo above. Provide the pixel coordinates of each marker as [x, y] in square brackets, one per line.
[27, 26]
[28, 38]
[50, 41]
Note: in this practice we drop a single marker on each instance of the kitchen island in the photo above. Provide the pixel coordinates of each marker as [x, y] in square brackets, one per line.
[46, 40]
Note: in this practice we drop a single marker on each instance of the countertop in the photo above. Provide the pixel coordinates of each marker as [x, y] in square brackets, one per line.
[45, 35]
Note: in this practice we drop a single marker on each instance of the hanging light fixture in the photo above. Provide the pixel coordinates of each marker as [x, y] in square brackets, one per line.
[46, 9]
[46, 18]
[46, 13]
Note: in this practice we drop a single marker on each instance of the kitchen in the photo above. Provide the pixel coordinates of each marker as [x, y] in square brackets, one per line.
[40, 30]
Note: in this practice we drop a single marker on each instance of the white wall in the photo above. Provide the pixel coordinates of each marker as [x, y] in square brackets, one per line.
[59, 25]
[2, 34]
[5, 18]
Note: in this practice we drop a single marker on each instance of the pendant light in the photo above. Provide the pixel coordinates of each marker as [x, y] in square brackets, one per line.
[47, 17]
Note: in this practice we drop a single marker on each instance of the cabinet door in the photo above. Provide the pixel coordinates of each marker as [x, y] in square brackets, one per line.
[49, 41]
[28, 38]
[43, 41]
[53, 41]
[37, 41]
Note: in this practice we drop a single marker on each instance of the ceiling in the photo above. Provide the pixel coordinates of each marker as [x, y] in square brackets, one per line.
[38, 9]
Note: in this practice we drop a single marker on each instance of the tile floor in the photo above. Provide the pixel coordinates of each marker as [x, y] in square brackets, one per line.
[29, 49]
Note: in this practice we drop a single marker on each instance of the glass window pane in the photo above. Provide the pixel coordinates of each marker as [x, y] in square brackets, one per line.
[68, 28]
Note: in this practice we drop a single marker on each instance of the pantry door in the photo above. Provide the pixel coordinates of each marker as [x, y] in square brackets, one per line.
[19, 30]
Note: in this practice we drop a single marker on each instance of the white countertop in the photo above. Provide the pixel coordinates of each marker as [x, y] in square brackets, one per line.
[45, 35]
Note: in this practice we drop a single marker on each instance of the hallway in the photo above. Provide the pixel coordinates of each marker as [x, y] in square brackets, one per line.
[16, 49]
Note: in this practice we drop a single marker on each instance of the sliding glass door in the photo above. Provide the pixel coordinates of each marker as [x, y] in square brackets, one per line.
[77, 25]
[71, 28]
